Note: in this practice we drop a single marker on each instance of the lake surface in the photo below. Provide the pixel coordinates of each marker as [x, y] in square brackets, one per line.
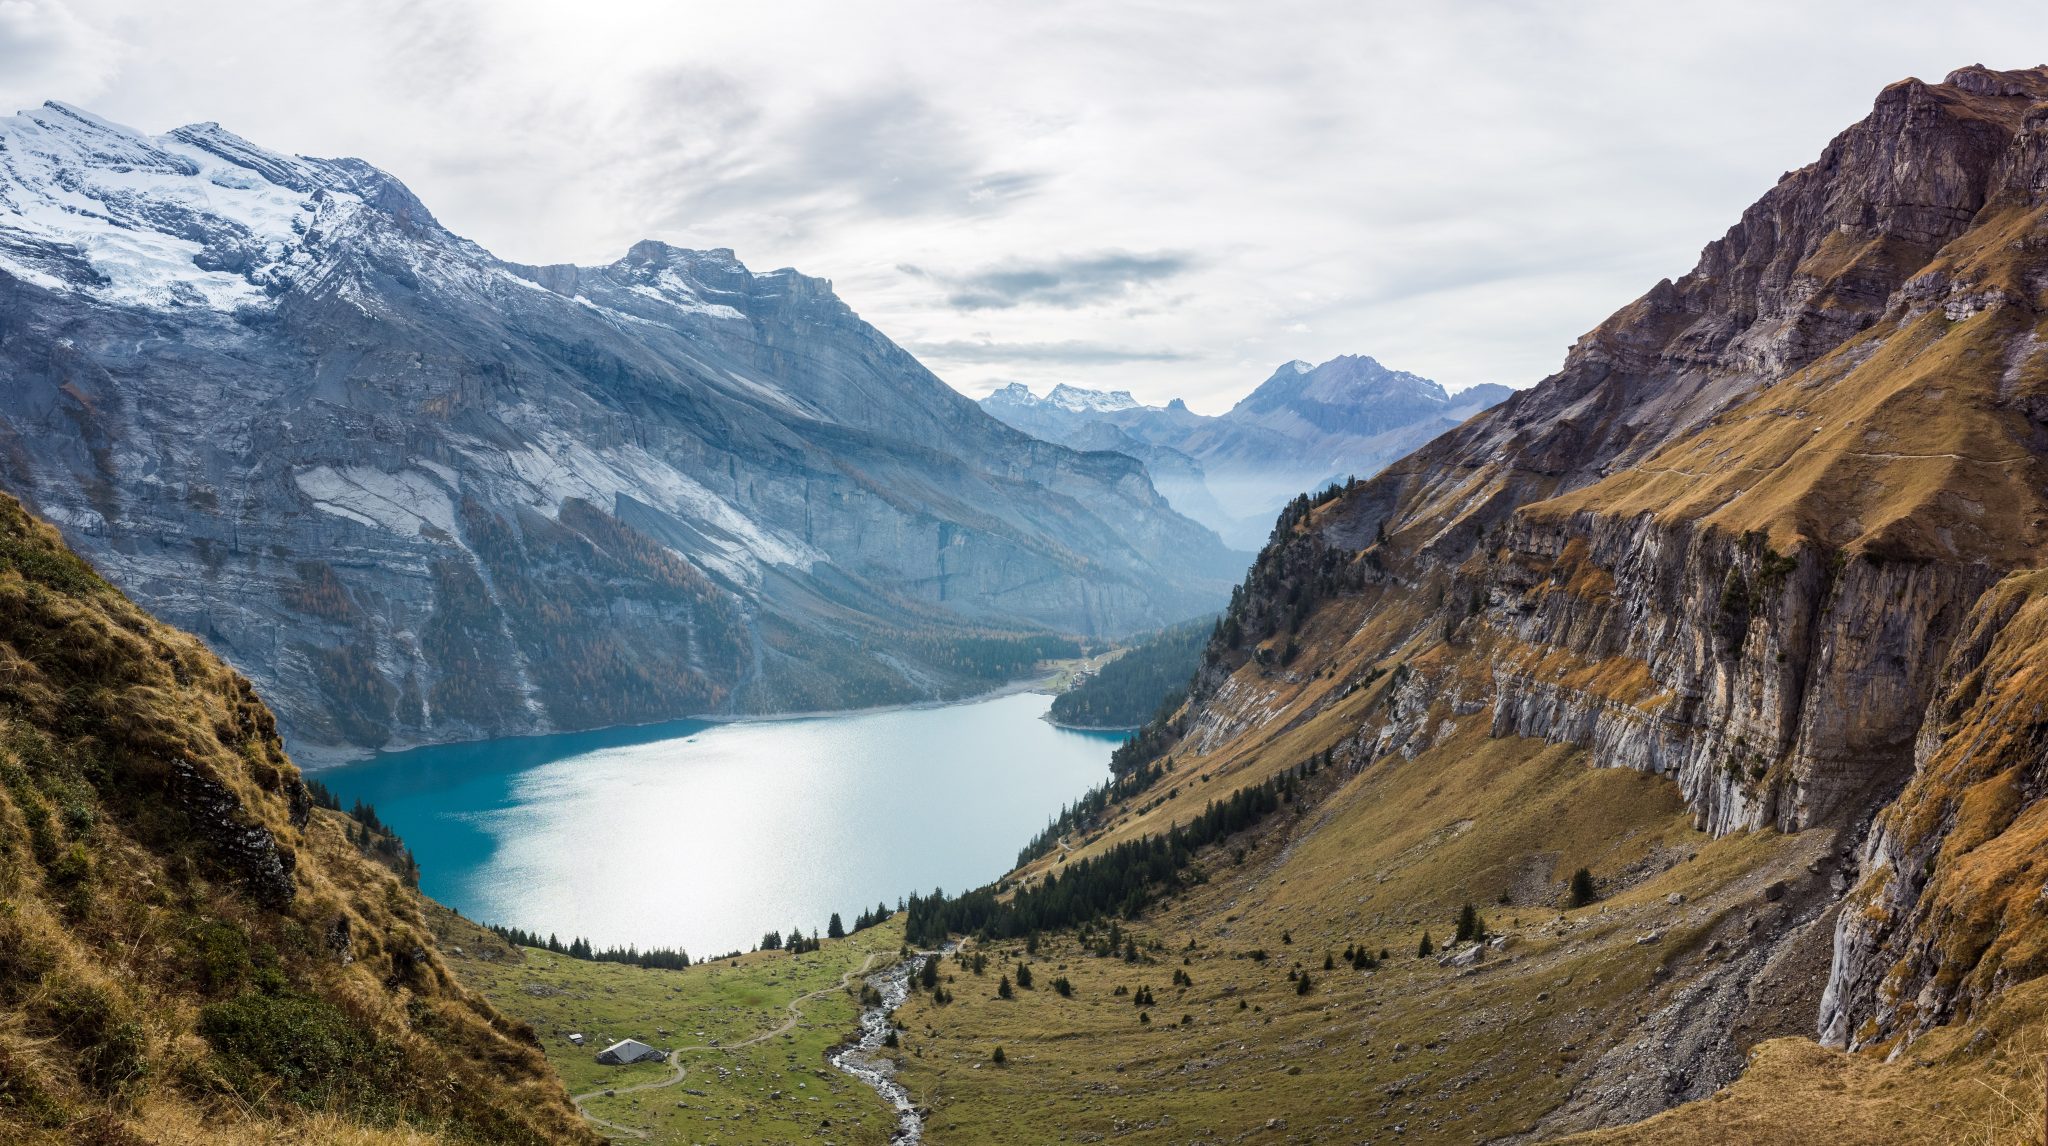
[703, 835]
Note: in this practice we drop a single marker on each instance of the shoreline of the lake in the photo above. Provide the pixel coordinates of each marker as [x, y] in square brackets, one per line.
[558, 833]
[1038, 684]
[1090, 727]
[322, 758]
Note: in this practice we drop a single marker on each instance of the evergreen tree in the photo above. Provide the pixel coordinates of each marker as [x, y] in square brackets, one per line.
[1301, 985]
[1471, 928]
[929, 974]
[1003, 988]
[835, 929]
[1024, 976]
[997, 1057]
[1426, 949]
[1582, 891]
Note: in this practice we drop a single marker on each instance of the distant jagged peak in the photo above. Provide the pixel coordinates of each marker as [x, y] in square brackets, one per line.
[1091, 401]
[1013, 394]
[1348, 380]
[1071, 399]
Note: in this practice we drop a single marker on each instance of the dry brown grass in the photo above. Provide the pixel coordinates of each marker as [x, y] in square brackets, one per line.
[142, 790]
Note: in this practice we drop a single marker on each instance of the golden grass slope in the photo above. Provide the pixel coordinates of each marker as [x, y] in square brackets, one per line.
[1413, 1049]
[189, 951]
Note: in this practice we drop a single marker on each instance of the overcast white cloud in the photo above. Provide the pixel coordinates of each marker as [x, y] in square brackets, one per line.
[1170, 197]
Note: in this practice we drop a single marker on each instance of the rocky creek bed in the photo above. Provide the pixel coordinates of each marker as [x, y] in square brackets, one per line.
[862, 1060]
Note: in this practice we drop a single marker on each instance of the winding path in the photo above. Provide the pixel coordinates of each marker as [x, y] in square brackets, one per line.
[675, 1057]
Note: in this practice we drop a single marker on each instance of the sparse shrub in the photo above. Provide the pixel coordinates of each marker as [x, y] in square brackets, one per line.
[305, 1047]
[24, 1097]
[111, 1047]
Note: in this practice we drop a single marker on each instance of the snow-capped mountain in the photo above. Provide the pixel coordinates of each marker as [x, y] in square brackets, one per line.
[1079, 401]
[1302, 428]
[419, 493]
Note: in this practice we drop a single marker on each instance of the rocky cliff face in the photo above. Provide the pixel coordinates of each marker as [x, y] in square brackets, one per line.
[420, 494]
[1769, 533]
[1301, 429]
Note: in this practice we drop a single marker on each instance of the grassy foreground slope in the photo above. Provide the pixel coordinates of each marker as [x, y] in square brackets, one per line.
[753, 1034]
[190, 951]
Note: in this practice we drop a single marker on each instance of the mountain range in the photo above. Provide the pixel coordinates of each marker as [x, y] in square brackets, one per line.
[420, 493]
[1301, 429]
[1668, 738]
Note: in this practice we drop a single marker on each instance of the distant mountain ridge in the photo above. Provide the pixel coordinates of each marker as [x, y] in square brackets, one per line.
[419, 493]
[1302, 428]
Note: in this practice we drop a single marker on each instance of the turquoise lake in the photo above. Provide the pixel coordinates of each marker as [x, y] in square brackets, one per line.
[705, 835]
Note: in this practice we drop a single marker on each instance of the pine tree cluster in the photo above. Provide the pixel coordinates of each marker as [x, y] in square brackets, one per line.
[1121, 881]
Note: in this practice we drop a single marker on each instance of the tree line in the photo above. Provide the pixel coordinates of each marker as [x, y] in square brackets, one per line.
[675, 958]
[665, 958]
[1136, 686]
[1122, 881]
[370, 834]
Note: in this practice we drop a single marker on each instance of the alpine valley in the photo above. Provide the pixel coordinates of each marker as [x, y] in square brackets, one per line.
[1658, 754]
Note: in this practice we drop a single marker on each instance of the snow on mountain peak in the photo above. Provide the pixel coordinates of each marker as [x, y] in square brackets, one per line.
[92, 206]
[1081, 401]
[197, 217]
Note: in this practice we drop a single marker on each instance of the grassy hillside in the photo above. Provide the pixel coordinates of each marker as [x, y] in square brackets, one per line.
[753, 1033]
[190, 951]
[1582, 1016]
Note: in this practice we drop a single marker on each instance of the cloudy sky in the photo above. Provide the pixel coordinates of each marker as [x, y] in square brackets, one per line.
[1170, 198]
